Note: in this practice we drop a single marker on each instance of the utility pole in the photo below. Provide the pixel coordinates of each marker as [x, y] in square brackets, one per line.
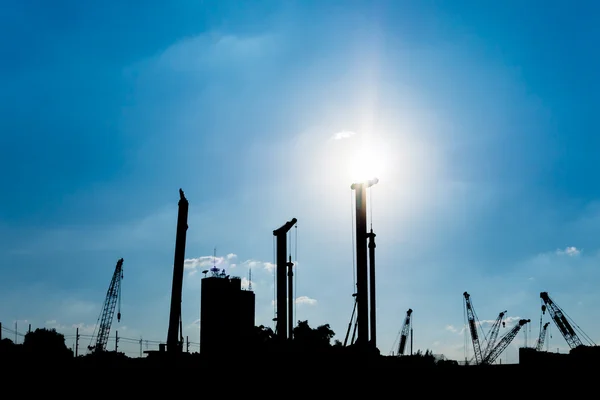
[116, 341]
[16, 332]
[140, 347]
[187, 344]
[29, 330]
[76, 342]
[0, 330]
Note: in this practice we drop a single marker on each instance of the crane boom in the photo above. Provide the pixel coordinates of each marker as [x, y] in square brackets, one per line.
[405, 331]
[559, 318]
[504, 342]
[472, 321]
[495, 329]
[113, 296]
[540, 342]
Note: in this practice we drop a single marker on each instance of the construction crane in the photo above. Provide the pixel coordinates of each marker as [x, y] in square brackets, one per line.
[503, 343]
[473, 323]
[113, 297]
[406, 329]
[564, 326]
[540, 342]
[494, 330]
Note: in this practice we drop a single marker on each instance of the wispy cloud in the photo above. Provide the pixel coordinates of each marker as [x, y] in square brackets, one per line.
[570, 251]
[306, 300]
[301, 300]
[343, 135]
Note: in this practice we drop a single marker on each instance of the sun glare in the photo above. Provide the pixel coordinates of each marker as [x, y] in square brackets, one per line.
[366, 161]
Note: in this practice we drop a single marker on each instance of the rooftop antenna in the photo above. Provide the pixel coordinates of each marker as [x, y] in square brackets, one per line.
[250, 279]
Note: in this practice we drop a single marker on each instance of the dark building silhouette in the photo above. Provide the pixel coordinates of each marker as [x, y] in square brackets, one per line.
[226, 313]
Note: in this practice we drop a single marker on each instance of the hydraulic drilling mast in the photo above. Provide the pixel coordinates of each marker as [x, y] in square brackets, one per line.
[362, 268]
[372, 295]
[281, 283]
[174, 340]
[113, 295]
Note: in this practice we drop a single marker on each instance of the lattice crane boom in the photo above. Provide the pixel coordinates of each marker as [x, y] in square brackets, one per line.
[540, 342]
[504, 342]
[560, 319]
[113, 298]
[472, 321]
[404, 332]
[494, 330]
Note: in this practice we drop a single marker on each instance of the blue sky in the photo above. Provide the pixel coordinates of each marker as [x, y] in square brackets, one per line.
[478, 119]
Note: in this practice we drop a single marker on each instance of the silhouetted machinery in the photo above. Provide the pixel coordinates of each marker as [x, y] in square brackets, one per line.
[566, 328]
[365, 272]
[175, 334]
[284, 303]
[539, 345]
[492, 349]
[406, 330]
[113, 297]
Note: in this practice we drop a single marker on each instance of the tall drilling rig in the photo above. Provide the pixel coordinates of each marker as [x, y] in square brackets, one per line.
[362, 267]
[281, 282]
[174, 335]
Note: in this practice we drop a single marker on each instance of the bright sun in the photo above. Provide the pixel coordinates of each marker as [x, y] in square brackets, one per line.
[365, 161]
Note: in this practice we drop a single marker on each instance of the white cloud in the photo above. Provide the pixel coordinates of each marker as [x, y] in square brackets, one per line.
[255, 264]
[306, 300]
[301, 300]
[206, 262]
[570, 251]
[343, 135]
[452, 329]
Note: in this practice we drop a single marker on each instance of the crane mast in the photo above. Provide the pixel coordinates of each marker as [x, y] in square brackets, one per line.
[504, 342]
[472, 321]
[406, 327]
[113, 296]
[540, 342]
[559, 318]
[494, 334]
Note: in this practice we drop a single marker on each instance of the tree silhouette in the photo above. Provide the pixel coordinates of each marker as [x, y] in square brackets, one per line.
[307, 337]
[46, 343]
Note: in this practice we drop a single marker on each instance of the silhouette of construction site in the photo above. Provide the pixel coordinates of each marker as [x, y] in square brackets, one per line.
[227, 321]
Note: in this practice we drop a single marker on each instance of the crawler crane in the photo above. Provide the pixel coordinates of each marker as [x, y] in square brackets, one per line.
[560, 318]
[494, 334]
[113, 297]
[540, 342]
[406, 329]
[503, 343]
